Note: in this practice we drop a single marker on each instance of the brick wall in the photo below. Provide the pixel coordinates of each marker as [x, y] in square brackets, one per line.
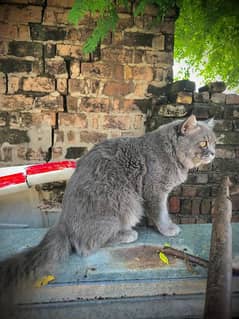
[192, 202]
[56, 102]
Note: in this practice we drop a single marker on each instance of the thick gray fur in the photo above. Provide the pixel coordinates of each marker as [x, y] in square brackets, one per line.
[113, 186]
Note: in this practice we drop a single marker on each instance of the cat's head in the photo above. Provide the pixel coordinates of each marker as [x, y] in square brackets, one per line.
[196, 142]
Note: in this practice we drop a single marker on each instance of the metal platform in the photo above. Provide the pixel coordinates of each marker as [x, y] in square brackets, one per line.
[124, 281]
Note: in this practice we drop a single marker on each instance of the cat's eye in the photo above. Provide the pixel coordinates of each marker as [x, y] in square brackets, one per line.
[203, 144]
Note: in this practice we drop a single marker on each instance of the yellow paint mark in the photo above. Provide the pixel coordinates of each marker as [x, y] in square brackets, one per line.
[43, 281]
[164, 258]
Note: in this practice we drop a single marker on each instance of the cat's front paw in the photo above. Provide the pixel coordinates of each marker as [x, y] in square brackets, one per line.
[169, 229]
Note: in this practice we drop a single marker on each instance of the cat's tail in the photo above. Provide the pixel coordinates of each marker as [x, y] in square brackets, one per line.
[24, 268]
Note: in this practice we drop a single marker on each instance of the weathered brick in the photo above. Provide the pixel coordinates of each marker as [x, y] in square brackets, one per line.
[225, 153]
[189, 191]
[138, 39]
[139, 56]
[94, 120]
[96, 104]
[161, 58]
[218, 98]
[206, 206]
[48, 118]
[49, 50]
[75, 152]
[37, 154]
[85, 86]
[23, 32]
[187, 220]
[201, 112]
[184, 98]
[186, 206]
[56, 66]
[53, 101]
[97, 69]
[92, 137]
[125, 21]
[72, 104]
[8, 32]
[62, 85]
[20, 14]
[45, 33]
[13, 136]
[217, 87]
[73, 120]
[122, 122]
[3, 48]
[174, 204]
[170, 110]
[223, 125]
[34, 2]
[55, 16]
[79, 34]
[117, 54]
[229, 138]
[230, 165]
[75, 69]
[118, 88]
[158, 42]
[235, 204]
[236, 125]
[138, 121]
[167, 26]
[38, 84]
[10, 65]
[69, 50]
[3, 118]
[57, 3]
[13, 84]
[196, 203]
[169, 42]
[16, 102]
[140, 89]
[163, 75]
[57, 152]
[231, 112]
[23, 48]
[216, 111]
[132, 105]
[202, 179]
[139, 73]
[201, 97]
[3, 87]
[232, 99]
[6, 152]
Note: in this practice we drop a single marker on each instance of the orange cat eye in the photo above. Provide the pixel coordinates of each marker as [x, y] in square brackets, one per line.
[203, 144]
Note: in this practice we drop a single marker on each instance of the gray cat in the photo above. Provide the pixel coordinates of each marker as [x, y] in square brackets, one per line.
[114, 184]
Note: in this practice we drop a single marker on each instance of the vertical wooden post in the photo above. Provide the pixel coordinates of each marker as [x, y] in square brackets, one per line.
[218, 293]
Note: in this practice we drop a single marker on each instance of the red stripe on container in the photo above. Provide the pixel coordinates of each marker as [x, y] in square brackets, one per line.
[12, 179]
[49, 167]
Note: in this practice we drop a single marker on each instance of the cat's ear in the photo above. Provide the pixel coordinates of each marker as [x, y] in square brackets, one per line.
[189, 125]
[210, 122]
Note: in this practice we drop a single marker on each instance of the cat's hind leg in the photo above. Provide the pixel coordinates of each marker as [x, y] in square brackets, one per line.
[96, 233]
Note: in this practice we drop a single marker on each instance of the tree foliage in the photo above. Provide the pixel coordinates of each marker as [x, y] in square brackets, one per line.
[206, 34]
[207, 38]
